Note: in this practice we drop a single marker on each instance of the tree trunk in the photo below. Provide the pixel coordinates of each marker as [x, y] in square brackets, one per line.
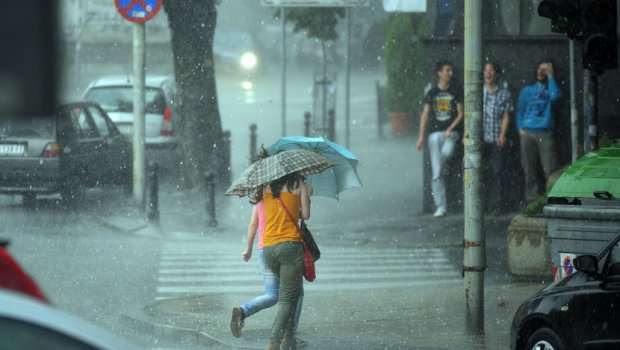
[198, 127]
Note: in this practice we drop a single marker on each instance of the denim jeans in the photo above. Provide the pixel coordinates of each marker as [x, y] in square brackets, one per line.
[286, 262]
[270, 298]
[440, 149]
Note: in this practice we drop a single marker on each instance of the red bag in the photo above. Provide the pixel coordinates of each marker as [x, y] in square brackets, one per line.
[309, 273]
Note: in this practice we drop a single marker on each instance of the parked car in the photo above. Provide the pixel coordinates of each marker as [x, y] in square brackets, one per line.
[580, 311]
[77, 146]
[27, 324]
[115, 95]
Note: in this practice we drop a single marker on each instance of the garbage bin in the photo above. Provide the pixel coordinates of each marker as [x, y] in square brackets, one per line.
[583, 209]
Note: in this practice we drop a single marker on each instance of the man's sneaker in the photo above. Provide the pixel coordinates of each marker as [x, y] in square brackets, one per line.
[440, 212]
[236, 322]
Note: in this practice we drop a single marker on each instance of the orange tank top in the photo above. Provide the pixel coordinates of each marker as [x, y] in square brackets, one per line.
[279, 228]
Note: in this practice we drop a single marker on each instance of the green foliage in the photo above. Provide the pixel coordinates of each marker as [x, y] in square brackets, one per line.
[402, 63]
[317, 22]
[535, 207]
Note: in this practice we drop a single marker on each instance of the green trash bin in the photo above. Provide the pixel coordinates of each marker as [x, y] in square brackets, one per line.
[583, 208]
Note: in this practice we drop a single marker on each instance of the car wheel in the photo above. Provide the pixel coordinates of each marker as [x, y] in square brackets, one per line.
[29, 199]
[544, 339]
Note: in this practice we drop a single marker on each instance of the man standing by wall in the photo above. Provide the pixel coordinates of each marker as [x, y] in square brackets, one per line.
[497, 108]
[442, 113]
[535, 124]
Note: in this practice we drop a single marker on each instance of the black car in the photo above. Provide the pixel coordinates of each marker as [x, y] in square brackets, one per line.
[581, 311]
[77, 146]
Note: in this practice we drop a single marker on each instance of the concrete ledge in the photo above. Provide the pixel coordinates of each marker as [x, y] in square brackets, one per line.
[528, 247]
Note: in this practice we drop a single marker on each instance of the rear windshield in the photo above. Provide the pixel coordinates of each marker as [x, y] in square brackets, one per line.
[120, 99]
[27, 127]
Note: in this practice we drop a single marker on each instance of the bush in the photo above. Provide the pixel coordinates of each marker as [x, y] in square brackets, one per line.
[402, 64]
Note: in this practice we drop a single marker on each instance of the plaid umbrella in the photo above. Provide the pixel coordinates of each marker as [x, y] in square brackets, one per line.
[274, 167]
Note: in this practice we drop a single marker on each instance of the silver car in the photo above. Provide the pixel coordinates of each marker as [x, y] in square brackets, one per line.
[115, 95]
[27, 324]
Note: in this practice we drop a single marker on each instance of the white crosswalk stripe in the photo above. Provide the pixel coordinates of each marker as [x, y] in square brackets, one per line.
[190, 268]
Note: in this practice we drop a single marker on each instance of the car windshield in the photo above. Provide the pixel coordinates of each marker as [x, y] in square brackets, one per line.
[27, 127]
[120, 99]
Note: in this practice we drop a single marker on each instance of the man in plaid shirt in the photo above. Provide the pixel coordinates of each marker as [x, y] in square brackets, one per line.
[497, 108]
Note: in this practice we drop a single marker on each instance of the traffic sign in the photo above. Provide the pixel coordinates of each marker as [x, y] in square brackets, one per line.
[138, 11]
[315, 3]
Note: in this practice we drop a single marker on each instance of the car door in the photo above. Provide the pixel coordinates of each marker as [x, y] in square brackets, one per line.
[602, 321]
[86, 148]
[113, 151]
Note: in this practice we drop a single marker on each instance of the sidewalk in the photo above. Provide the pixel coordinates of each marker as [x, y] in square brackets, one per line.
[386, 212]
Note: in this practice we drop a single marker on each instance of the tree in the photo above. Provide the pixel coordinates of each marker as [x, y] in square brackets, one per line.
[199, 127]
[317, 22]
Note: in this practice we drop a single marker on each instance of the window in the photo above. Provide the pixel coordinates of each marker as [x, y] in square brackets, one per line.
[83, 123]
[100, 122]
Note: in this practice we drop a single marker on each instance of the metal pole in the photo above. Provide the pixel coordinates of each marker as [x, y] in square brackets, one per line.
[138, 114]
[152, 212]
[590, 109]
[283, 72]
[474, 241]
[574, 129]
[307, 117]
[252, 142]
[348, 87]
[210, 183]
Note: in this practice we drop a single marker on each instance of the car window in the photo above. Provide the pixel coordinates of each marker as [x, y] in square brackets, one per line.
[120, 99]
[82, 123]
[100, 121]
[19, 335]
[27, 127]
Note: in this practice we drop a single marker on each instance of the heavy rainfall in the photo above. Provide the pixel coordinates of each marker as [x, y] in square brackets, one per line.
[427, 241]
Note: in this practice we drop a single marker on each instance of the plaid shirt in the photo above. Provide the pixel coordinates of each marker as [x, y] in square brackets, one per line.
[495, 105]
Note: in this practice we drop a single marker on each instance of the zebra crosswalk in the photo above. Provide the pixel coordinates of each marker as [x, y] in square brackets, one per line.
[198, 268]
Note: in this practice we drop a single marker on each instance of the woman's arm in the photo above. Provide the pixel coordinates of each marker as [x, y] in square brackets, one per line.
[252, 227]
[305, 201]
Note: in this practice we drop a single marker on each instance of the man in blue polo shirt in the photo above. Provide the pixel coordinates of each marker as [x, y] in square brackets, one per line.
[535, 123]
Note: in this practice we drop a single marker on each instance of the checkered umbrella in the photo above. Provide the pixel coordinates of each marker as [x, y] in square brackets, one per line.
[274, 167]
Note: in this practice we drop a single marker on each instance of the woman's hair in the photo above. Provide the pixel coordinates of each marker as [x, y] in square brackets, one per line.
[258, 194]
[291, 181]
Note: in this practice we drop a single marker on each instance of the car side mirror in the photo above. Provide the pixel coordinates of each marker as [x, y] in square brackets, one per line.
[587, 264]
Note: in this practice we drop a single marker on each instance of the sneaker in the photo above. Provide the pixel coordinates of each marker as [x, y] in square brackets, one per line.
[236, 322]
[440, 212]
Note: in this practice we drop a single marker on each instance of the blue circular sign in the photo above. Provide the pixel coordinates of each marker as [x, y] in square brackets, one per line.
[138, 11]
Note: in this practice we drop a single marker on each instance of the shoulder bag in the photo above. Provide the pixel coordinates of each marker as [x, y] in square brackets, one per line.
[309, 257]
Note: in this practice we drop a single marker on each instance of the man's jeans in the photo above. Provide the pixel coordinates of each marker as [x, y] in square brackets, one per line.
[270, 298]
[537, 147]
[285, 260]
[440, 150]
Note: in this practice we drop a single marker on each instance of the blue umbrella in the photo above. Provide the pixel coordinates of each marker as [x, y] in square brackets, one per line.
[334, 180]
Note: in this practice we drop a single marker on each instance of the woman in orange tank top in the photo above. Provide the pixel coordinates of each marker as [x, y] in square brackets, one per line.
[283, 250]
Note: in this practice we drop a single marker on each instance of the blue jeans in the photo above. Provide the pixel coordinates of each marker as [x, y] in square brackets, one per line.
[270, 298]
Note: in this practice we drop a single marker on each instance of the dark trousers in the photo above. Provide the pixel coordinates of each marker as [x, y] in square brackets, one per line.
[493, 157]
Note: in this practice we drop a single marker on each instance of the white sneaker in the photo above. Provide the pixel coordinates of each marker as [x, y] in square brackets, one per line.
[440, 212]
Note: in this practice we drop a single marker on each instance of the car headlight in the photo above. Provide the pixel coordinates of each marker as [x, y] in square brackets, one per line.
[248, 60]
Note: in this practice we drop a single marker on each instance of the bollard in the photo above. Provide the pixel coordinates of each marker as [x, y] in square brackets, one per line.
[331, 125]
[210, 186]
[226, 172]
[307, 117]
[252, 142]
[152, 210]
